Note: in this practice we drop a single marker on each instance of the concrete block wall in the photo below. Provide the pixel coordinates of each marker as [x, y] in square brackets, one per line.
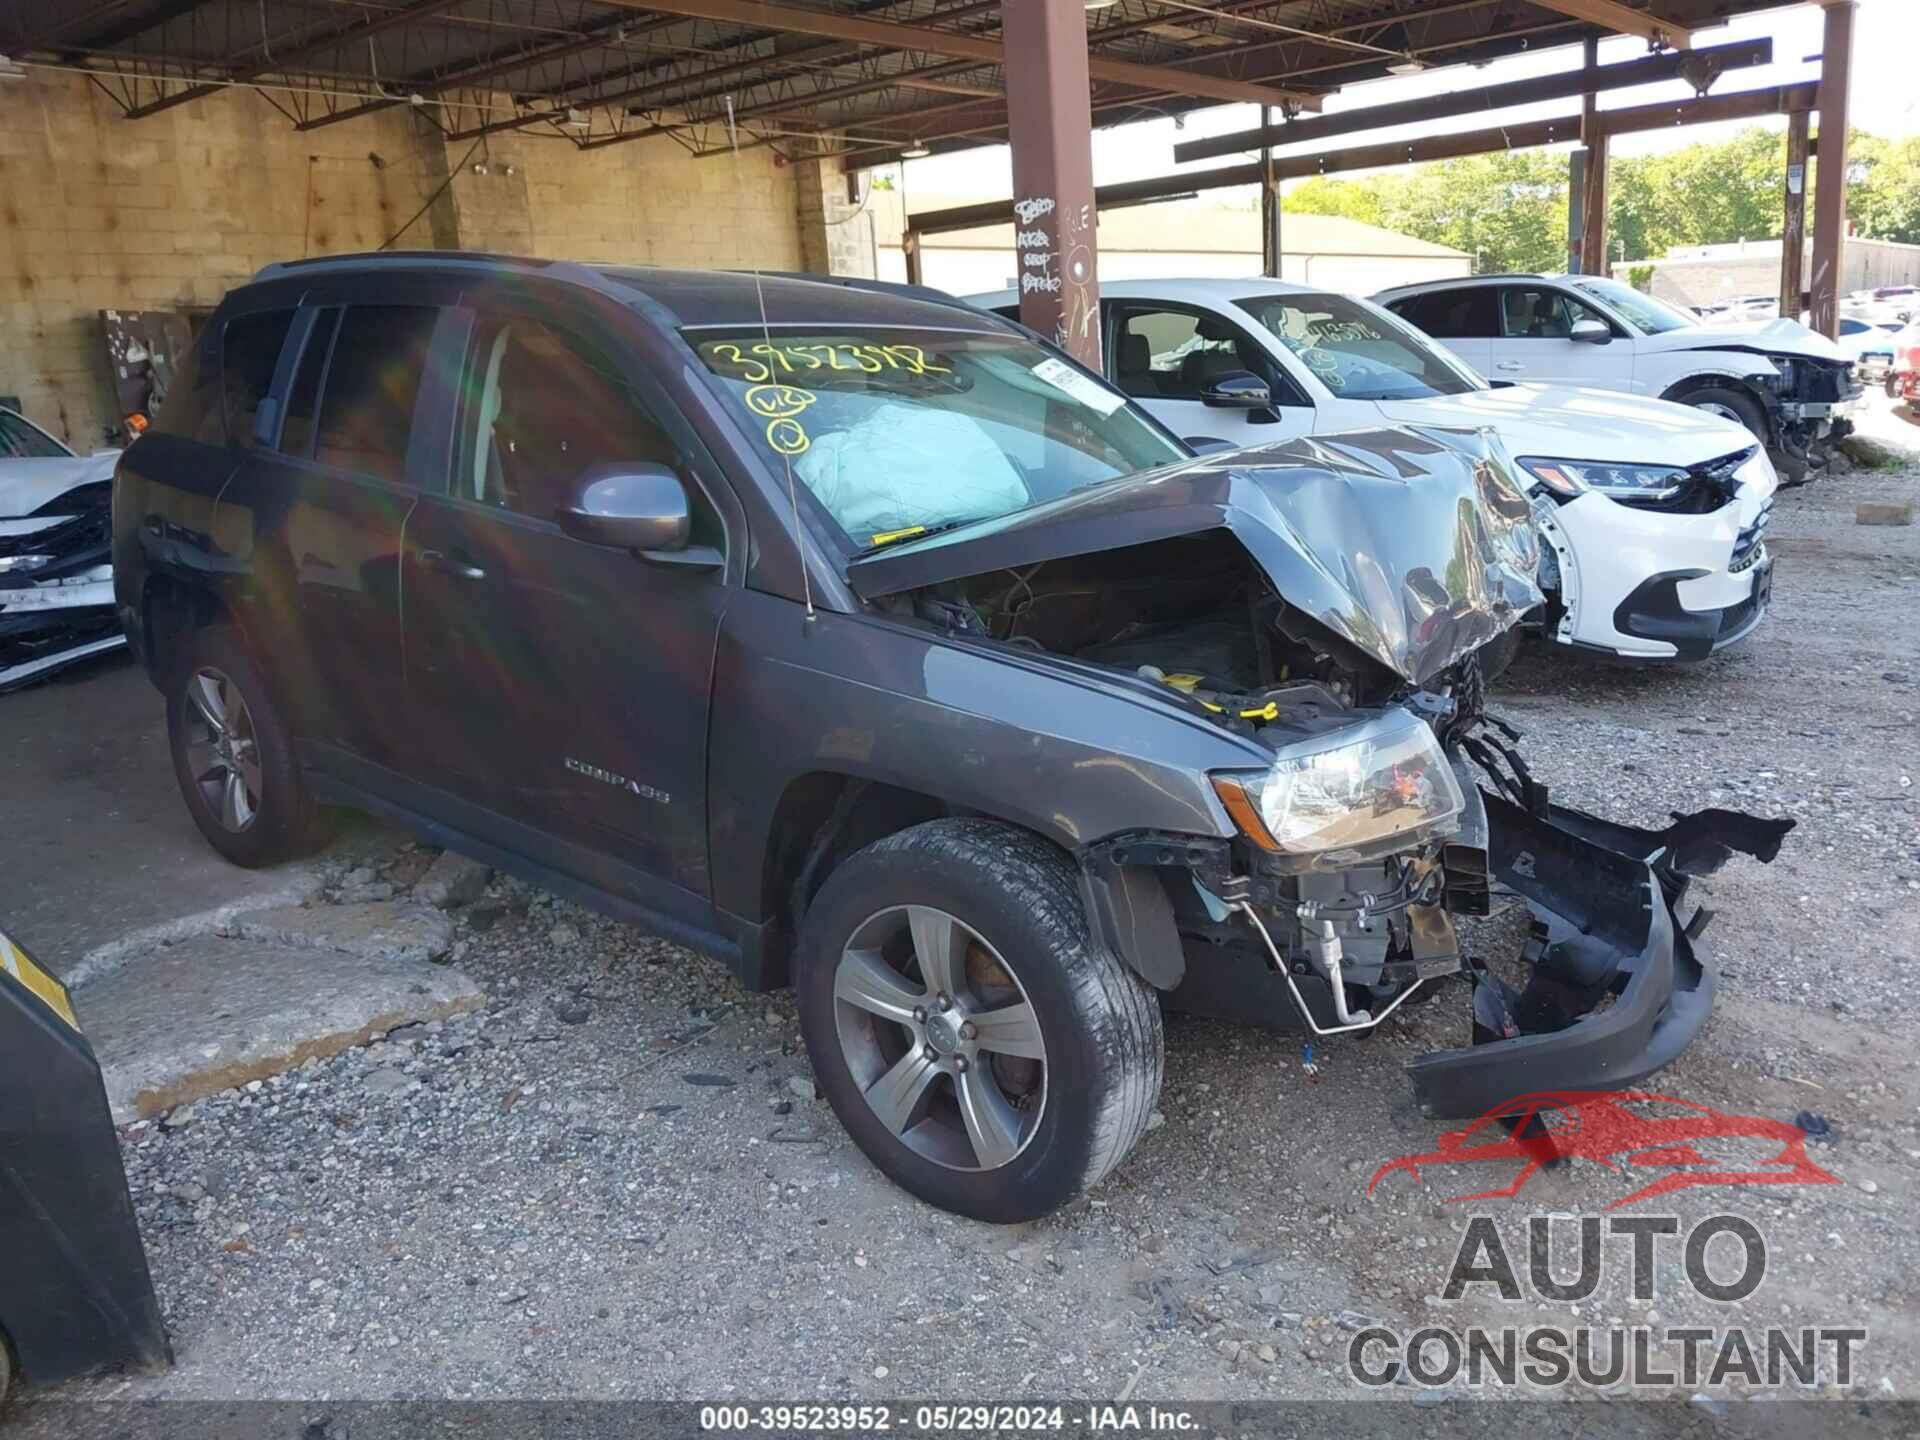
[99, 212]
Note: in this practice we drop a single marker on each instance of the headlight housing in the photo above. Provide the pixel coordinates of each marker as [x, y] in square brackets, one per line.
[1341, 798]
[1569, 478]
[17, 564]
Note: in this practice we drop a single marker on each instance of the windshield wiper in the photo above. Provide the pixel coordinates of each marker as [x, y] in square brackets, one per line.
[885, 538]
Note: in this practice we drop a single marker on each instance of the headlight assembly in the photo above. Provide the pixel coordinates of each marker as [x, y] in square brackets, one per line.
[1569, 478]
[1339, 798]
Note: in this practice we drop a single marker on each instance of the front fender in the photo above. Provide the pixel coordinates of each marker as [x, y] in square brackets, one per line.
[1055, 749]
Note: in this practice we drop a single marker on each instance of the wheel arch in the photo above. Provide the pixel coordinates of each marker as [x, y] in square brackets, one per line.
[1683, 389]
[825, 816]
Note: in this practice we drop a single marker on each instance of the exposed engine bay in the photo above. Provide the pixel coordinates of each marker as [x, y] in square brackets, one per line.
[1395, 802]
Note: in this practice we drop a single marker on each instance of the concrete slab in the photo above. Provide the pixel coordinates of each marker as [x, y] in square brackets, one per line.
[97, 856]
[380, 929]
[192, 1019]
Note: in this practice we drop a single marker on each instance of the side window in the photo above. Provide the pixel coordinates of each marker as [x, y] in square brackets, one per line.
[303, 397]
[250, 351]
[1172, 355]
[541, 409]
[1538, 313]
[1467, 314]
[372, 381]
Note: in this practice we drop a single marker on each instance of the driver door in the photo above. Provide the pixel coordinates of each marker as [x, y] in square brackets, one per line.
[560, 687]
[1534, 344]
[1163, 357]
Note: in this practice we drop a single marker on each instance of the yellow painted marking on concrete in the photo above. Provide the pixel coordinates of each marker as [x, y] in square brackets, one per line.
[17, 963]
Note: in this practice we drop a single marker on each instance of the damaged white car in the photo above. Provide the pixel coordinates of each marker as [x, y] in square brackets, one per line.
[56, 571]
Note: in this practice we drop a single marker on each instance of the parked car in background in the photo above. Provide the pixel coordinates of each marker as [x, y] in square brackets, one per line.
[871, 646]
[56, 575]
[1782, 381]
[1653, 514]
[1869, 346]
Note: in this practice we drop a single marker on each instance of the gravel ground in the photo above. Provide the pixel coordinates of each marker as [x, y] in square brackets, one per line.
[616, 1182]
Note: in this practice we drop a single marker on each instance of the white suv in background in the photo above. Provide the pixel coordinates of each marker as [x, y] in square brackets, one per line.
[1652, 513]
[1782, 381]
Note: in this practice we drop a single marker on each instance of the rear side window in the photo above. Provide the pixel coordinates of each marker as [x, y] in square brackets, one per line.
[303, 399]
[249, 355]
[1451, 314]
[372, 382]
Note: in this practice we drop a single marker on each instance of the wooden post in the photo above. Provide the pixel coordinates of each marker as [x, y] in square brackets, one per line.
[1576, 201]
[1830, 174]
[1793, 230]
[1050, 125]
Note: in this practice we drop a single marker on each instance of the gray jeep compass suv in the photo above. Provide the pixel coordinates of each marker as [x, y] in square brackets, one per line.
[872, 646]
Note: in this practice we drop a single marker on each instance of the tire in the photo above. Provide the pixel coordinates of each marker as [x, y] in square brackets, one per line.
[1732, 405]
[1892, 389]
[1020, 919]
[278, 819]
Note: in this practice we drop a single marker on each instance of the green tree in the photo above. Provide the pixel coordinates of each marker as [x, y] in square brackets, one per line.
[1510, 208]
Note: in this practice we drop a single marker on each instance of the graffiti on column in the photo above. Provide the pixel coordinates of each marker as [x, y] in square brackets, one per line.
[1043, 270]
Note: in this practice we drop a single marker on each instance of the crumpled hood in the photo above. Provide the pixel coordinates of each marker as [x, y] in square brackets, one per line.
[1770, 337]
[1566, 422]
[26, 485]
[1414, 546]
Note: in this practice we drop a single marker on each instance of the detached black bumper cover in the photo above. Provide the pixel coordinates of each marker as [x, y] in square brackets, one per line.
[1617, 991]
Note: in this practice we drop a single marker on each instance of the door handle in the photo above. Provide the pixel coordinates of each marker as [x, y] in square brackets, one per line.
[447, 565]
[1507, 365]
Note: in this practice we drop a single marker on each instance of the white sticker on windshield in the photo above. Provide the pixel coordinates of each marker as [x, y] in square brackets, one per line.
[1063, 376]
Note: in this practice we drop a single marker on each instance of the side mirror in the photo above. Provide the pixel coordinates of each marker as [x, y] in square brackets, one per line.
[1236, 390]
[630, 507]
[1590, 332]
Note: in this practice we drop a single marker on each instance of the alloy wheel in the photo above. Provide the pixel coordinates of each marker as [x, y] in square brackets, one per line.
[940, 1038]
[223, 753]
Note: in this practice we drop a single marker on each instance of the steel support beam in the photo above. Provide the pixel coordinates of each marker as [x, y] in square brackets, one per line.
[1593, 176]
[1614, 16]
[1793, 228]
[1050, 121]
[1830, 174]
[341, 35]
[1742, 105]
[888, 35]
[1648, 70]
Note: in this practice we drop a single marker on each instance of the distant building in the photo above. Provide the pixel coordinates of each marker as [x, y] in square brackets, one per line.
[1176, 238]
[1711, 274]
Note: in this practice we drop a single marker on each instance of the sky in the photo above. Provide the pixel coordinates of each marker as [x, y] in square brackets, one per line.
[1886, 101]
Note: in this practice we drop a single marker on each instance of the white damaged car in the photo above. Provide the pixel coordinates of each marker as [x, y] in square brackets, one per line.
[1652, 514]
[56, 573]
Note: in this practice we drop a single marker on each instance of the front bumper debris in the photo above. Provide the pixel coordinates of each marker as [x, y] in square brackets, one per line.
[1617, 989]
[55, 623]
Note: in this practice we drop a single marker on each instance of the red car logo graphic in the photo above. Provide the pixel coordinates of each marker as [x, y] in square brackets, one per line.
[1598, 1125]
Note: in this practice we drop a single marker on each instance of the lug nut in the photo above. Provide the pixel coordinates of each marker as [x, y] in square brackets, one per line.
[920, 1013]
[929, 1054]
[960, 1063]
[941, 1002]
[969, 1030]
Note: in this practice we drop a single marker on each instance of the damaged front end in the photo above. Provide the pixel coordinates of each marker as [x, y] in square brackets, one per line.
[1330, 600]
[56, 585]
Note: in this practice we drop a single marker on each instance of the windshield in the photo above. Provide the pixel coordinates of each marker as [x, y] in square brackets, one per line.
[1646, 314]
[21, 441]
[900, 431]
[1358, 352]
